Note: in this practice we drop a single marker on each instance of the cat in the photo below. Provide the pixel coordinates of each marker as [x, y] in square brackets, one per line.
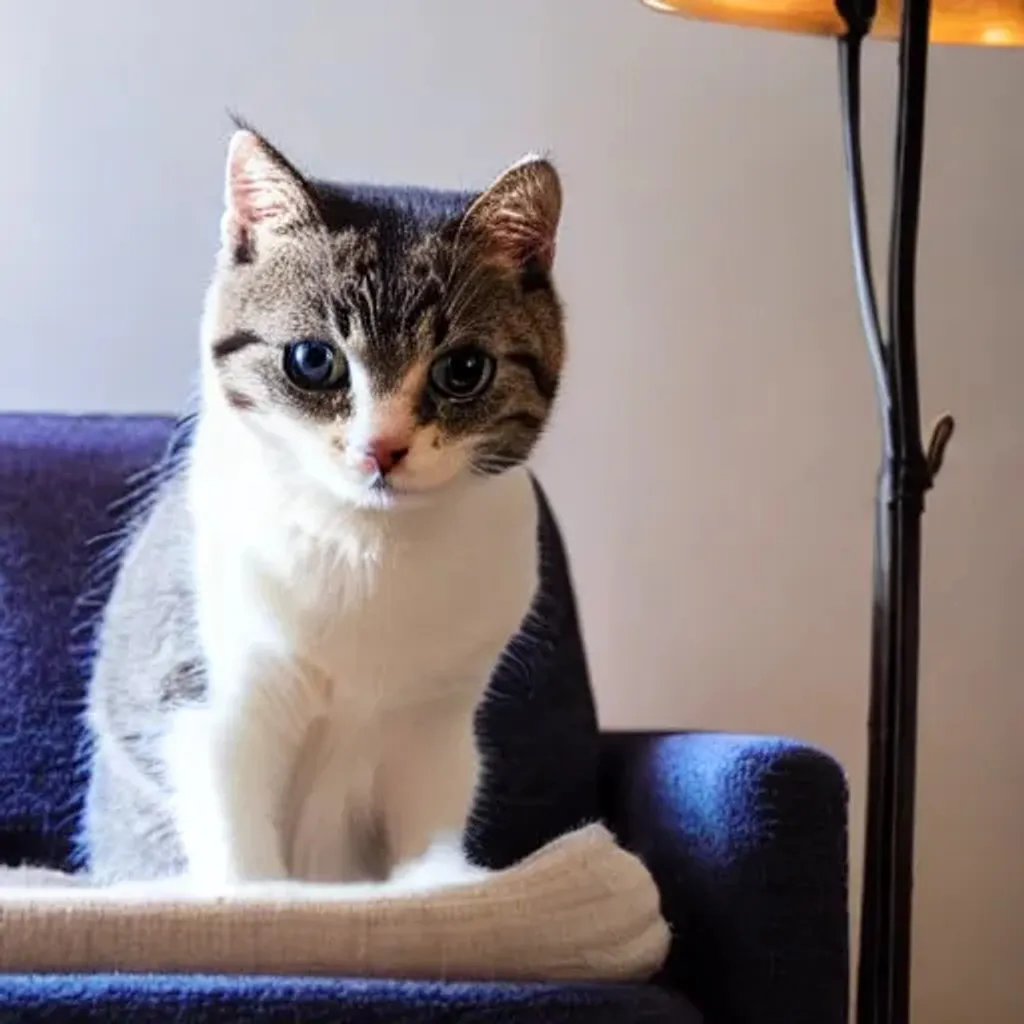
[309, 608]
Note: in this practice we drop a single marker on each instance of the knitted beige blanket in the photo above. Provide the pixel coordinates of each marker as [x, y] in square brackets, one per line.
[581, 908]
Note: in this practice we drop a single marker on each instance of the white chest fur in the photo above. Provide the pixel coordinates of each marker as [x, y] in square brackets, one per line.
[347, 653]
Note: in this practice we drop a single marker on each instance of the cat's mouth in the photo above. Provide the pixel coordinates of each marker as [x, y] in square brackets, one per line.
[403, 486]
[384, 492]
[382, 485]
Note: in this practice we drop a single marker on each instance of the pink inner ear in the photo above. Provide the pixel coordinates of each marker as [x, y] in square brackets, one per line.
[255, 200]
[519, 237]
[257, 192]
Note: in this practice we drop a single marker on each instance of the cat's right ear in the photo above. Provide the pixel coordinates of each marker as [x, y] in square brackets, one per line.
[265, 198]
[515, 220]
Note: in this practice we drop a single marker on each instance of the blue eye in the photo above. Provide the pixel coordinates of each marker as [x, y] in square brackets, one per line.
[315, 365]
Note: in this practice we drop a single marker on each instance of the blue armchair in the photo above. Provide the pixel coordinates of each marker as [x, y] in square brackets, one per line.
[745, 836]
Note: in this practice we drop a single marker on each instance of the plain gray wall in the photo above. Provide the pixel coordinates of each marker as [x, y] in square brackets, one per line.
[713, 459]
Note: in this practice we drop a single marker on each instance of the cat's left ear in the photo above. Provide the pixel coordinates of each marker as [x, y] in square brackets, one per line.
[516, 219]
[265, 198]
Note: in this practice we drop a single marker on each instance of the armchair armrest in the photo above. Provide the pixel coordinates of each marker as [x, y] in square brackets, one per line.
[746, 837]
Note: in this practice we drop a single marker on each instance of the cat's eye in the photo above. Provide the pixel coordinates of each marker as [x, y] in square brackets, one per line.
[463, 373]
[315, 365]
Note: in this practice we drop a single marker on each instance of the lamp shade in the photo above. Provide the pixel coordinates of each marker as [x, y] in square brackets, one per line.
[978, 22]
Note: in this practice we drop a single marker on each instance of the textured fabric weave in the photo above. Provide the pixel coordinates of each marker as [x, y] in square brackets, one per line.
[746, 838]
[170, 999]
[579, 909]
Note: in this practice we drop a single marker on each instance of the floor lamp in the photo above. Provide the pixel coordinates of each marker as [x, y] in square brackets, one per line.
[908, 467]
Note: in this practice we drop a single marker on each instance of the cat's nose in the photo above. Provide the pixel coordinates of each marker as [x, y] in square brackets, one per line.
[383, 454]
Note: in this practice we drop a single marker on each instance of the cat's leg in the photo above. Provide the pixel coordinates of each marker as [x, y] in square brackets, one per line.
[330, 833]
[427, 785]
[230, 761]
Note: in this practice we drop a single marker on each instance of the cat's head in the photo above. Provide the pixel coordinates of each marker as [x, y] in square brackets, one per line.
[385, 342]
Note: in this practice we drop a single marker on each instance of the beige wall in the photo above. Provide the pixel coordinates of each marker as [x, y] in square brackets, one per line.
[713, 461]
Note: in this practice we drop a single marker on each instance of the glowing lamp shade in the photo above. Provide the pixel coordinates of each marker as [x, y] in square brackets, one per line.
[978, 22]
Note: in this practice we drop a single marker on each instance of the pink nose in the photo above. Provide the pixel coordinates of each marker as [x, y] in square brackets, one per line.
[382, 455]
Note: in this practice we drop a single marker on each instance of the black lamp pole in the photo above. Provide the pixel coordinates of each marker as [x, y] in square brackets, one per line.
[907, 472]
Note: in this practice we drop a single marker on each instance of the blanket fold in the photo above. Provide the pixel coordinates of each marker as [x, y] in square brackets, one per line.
[580, 908]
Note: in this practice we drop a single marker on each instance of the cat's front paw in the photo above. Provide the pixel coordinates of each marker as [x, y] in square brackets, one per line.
[443, 866]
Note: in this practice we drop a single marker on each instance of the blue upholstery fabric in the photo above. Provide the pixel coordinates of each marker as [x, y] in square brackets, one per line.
[59, 478]
[261, 1000]
[745, 836]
